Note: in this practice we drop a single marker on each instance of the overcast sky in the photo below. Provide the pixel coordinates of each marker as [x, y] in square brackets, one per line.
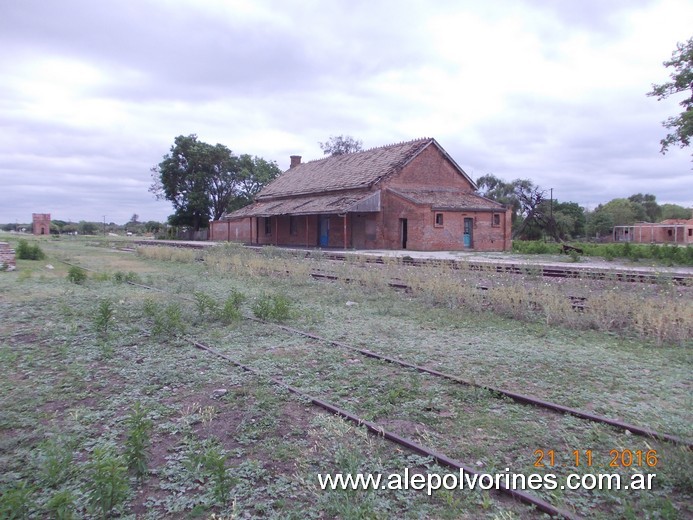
[92, 93]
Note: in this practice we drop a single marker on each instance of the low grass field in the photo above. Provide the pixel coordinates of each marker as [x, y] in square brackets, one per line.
[108, 410]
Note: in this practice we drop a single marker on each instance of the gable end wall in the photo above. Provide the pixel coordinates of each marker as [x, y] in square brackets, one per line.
[429, 169]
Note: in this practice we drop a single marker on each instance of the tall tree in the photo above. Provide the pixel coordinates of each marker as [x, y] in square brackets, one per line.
[681, 126]
[340, 145]
[675, 211]
[253, 174]
[570, 219]
[616, 212]
[515, 194]
[651, 210]
[198, 178]
[599, 222]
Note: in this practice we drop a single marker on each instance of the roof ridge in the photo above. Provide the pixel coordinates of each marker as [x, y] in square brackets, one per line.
[382, 147]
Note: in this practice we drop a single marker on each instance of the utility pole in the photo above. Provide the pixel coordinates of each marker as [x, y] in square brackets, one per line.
[551, 213]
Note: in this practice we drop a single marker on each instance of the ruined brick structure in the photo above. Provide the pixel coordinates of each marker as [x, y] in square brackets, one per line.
[671, 231]
[8, 259]
[41, 223]
[409, 195]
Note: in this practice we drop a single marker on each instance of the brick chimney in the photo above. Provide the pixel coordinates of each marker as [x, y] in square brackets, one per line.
[295, 160]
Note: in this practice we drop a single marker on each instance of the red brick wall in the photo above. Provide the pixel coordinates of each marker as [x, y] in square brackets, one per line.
[306, 231]
[423, 235]
[7, 257]
[41, 223]
[648, 233]
[232, 230]
[429, 169]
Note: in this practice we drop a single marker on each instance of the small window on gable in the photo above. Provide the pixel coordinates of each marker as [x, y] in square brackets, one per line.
[439, 220]
[496, 219]
[293, 225]
[268, 225]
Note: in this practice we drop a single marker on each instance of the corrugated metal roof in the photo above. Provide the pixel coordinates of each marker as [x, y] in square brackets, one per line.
[307, 205]
[448, 199]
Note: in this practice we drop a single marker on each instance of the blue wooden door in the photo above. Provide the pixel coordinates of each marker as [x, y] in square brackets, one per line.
[468, 225]
[323, 230]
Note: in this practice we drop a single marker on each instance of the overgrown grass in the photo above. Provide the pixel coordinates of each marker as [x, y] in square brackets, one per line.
[226, 443]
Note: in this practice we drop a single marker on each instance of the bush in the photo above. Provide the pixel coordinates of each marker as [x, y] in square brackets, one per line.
[76, 275]
[668, 254]
[168, 320]
[205, 304]
[130, 276]
[26, 251]
[231, 310]
[273, 308]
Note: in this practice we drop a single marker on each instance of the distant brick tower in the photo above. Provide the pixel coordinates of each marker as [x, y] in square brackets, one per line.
[42, 223]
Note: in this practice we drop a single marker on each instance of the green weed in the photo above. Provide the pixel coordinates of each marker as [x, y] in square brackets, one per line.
[168, 320]
[61, 505]
[205, 304]
[76, 275]
[104, 316]
[137, 441]
[273, 308]
[130, 276]
[15, 502]
[107, 486]
[231, 310]
[150, 308]
[55, 462]
[214, 462]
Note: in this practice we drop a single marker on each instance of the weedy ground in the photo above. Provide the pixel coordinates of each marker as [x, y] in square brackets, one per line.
[108, 410]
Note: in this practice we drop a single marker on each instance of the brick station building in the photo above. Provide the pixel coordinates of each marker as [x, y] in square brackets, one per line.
[410, 195]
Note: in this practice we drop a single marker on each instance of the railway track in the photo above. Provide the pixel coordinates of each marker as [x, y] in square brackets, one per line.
[500, 392]
[377, 429]
[577, 302]
[543, 270]
[380, 431]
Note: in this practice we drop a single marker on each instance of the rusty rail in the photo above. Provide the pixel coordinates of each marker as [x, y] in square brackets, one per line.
[440, 458]
[515, 396]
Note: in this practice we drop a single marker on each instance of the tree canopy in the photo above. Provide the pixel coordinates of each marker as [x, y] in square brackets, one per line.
[533, 213]
[254, 173]
[625, 212]
[202, 181]
[681, 126]
[675, 211]
[340, 145]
